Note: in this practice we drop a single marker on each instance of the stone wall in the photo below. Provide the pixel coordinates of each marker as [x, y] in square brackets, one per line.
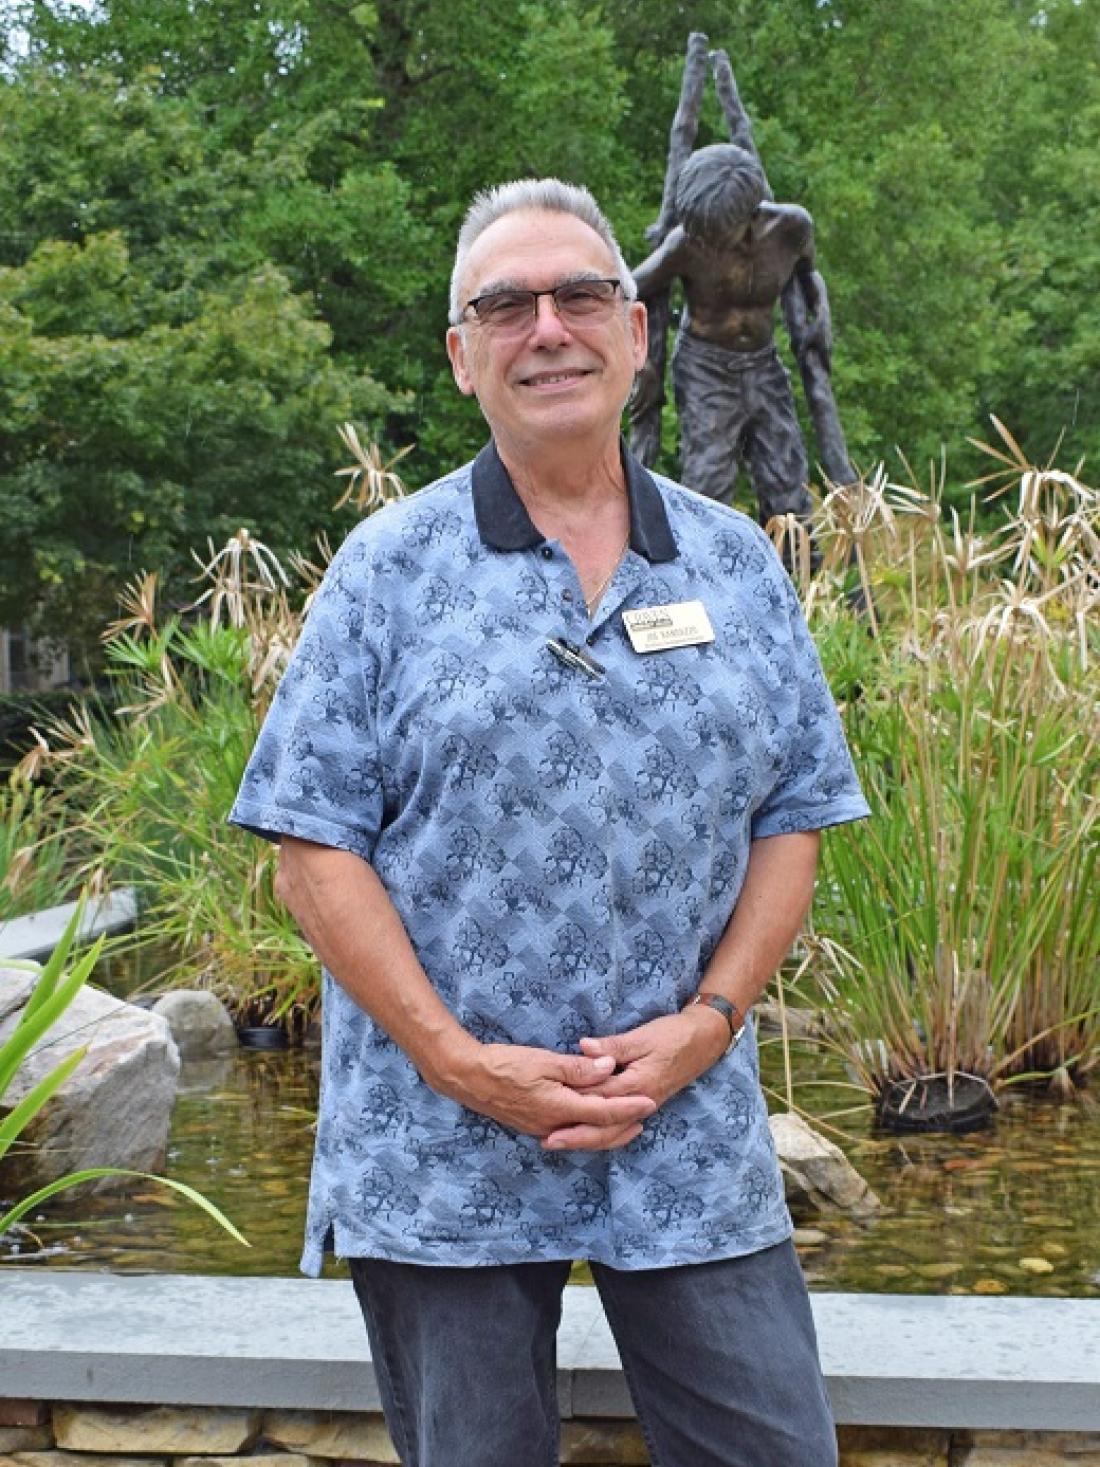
[59, 1434]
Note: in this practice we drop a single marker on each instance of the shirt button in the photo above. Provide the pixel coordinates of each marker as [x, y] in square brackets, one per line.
[591, 639]
[547, 553]
[567, 595]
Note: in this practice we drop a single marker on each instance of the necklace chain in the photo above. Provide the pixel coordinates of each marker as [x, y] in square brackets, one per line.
[591, 602]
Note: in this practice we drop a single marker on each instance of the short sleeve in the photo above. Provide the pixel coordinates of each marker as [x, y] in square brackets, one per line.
[314, 771]
[817, 785]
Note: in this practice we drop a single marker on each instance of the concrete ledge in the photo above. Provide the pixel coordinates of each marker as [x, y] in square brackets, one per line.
[36, 935]
[898, 1360]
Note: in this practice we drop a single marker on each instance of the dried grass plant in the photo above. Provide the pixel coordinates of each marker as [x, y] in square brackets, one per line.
[958, 930]
[954, 932]
[147, 789]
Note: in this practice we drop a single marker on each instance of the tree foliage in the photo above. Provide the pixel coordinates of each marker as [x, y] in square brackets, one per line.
[226, 226]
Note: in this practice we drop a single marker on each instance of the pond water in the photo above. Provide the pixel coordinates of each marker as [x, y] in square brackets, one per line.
[1010, 1210]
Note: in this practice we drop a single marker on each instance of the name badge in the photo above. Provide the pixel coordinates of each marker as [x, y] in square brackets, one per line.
[658, 628]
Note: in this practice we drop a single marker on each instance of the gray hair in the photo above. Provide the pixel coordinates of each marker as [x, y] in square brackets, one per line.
[551, 194]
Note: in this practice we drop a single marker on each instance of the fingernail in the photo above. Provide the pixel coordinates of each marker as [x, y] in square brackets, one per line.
[605, 1062]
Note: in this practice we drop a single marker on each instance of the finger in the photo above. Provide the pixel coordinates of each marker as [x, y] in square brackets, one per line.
[619, 1110]
[631, 1081]
[579, 1071]
[591, 1138]
[621, 1047]
[587, 1137]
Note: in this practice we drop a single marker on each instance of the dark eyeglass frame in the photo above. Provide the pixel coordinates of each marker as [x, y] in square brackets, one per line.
[533, 297]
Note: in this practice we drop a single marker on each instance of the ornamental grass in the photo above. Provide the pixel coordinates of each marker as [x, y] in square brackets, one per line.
[35, 859]
[957, 932]
[146, 789]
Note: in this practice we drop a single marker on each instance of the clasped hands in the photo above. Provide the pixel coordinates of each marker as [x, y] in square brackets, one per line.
[597, 1100]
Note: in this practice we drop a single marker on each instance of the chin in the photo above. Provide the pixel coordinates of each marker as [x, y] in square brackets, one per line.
[563, 418]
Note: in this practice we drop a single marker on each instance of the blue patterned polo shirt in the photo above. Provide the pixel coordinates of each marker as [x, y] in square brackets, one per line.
[564, 850]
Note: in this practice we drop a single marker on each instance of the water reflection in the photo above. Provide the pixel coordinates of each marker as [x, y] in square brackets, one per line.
[1011, 1210]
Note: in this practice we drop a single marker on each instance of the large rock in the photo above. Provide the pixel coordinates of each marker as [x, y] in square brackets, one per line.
[816, 1171]
[113, 1110]
[199, 1022]
[15, 988]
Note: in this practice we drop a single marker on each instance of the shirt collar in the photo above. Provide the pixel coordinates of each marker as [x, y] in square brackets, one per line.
[504, 524]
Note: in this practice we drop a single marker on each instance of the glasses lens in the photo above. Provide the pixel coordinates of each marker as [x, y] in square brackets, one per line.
[505, 308]
[514, 310]
[583, 299]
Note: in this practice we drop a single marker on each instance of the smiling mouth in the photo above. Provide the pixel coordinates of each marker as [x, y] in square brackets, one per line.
[551, 379]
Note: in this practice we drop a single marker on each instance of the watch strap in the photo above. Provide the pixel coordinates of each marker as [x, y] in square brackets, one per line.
[729, 1011]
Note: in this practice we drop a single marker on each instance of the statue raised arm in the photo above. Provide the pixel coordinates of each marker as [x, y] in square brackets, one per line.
[649, 390]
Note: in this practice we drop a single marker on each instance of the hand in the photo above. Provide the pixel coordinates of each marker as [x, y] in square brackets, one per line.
[655, 1060]
[537, 1091]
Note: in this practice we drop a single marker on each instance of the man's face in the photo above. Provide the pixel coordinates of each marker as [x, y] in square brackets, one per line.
[551, 381]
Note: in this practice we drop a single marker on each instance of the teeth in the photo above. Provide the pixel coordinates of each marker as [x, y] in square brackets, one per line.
[555, 377]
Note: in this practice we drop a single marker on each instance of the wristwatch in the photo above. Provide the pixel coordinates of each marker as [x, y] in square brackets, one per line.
[729, 1011]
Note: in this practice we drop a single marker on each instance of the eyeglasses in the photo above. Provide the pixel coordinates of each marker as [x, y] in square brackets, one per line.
[577, 303]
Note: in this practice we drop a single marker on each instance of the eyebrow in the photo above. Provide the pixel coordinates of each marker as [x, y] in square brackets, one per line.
[492, 287]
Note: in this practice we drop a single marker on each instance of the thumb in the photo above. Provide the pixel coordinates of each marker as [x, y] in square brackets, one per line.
[621, 1047]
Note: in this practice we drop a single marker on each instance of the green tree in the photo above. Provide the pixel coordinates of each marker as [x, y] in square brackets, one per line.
[883, 125]
[170, 173]
[1045, 187]
[162, 379]
[122, 450]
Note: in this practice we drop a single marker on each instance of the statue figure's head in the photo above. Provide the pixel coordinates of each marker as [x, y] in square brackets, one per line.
[717, 192]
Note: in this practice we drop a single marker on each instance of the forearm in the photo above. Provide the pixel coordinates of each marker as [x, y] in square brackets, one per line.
[658, 271]
[661, 1057]
[354, 928]
[349, 921]
[776, 895]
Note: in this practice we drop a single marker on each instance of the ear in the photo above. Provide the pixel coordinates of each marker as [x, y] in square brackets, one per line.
[456, 352]
[638, 318]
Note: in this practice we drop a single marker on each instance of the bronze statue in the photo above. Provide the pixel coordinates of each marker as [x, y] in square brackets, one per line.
[736, 253]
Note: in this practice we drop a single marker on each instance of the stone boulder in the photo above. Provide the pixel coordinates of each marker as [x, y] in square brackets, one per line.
[199, 1022]
[113, 1110]
[816, 1171]
[15, 988]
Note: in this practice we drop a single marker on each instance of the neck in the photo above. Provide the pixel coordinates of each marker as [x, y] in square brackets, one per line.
[571, 479]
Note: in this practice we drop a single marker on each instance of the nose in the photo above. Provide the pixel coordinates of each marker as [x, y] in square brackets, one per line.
[547, 327]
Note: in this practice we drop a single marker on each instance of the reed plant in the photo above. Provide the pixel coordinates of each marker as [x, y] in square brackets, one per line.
[957, 932]
[149, 786]
[38, 854]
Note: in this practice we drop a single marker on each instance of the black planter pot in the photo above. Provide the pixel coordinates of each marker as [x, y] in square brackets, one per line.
[262, 1036]
[936, 1103]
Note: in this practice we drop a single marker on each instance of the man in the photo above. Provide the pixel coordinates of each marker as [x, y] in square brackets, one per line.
[522, 846]
[734, 253]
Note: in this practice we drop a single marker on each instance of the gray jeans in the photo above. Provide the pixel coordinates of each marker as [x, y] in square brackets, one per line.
[721, 1361]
